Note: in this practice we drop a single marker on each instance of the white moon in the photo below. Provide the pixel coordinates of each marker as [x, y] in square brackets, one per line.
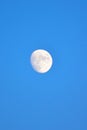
[41, 60]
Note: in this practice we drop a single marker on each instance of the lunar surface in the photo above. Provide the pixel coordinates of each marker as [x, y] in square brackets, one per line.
[41, 60]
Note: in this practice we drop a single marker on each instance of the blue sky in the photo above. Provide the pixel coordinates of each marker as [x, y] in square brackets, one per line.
[56, 100]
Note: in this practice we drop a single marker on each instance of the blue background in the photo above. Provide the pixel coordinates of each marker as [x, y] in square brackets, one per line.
[56, 100]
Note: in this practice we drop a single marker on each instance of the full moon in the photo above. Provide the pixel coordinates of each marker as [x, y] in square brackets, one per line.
[41, 61]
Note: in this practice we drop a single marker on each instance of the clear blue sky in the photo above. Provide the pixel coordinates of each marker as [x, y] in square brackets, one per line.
[56, 100]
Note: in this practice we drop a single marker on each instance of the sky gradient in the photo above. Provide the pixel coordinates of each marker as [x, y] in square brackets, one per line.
[56, 100]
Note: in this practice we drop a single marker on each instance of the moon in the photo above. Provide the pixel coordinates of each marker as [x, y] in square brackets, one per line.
[41, 61]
